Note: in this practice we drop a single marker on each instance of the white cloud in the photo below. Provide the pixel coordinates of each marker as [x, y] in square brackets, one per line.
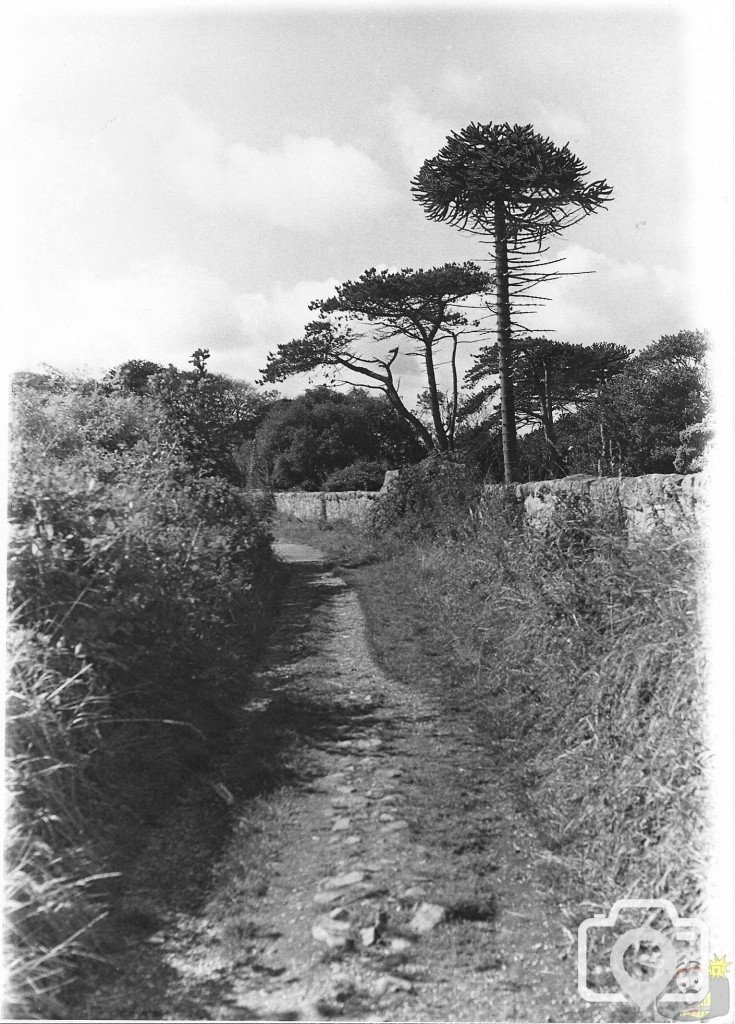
[162, 310]
[464, 85]
[558, 124]
[305, 182]
[674, 284]
[618, 301]
[271, 318]
[419, 136]
[165, 308]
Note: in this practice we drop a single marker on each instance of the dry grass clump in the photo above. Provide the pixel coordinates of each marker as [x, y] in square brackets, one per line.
[53, 898]
[583, 657]
[138, 592]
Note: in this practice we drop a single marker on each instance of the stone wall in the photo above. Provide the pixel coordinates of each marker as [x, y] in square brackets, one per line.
[659, 500]
[673, 501]
[326, 506]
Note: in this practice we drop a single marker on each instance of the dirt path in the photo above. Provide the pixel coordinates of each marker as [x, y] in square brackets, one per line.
[382, 873]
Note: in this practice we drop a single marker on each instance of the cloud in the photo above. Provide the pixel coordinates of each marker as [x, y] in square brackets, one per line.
[418, 135]
[165, 308]
[464, 85]
[560, 125]
[619, 301]
[276, 316]
[162, 310]
[309, 183]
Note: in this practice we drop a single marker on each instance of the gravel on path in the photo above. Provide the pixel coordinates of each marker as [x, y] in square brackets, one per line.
[383, 872]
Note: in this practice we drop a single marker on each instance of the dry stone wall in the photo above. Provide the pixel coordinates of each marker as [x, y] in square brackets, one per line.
[673, 501]
[670, 501]
[325, 506]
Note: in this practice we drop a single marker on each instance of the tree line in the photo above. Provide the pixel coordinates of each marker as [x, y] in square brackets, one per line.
[529, 407]
[598, 409]
[584, 408]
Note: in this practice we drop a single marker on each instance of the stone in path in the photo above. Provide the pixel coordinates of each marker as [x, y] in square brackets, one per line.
[427, 917]
[344, 880]
[331, 932]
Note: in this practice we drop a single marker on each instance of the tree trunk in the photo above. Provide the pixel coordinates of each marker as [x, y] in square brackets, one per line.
[420, 430]
[507, 409]
[558, 463]
[452, 426]
[436, 413]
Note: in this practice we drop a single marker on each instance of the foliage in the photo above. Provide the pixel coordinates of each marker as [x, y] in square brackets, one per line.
[137, 593]
[303, 442]
[210, 415]
[635, 424]
[517, 188]
[414, 312]
[61, 416]
[363, 475]
[694, 442]
[427, 499]
[132, 376]
[549, 378]
[479, 447]
[542, 187]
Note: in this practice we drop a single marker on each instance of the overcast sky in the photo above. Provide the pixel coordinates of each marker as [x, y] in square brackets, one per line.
[193, 177]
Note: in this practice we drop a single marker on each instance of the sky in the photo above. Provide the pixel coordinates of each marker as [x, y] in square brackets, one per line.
[192, 176]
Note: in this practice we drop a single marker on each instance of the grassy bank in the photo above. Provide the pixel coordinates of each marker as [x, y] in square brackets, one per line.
[138, 594]
[582, 660]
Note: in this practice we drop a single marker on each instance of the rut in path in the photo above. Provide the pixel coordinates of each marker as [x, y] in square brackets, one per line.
[383, 873]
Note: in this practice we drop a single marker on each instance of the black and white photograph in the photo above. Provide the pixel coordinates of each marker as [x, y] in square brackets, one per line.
[368, 469]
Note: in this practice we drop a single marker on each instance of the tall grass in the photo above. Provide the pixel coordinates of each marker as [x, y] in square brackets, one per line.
[137, 591]
[583, 659]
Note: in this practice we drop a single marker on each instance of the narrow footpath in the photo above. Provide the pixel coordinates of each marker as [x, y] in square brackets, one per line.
[383, 873]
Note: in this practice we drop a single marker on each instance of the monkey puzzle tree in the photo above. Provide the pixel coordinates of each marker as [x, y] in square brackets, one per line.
[516, 188]
[424, 308]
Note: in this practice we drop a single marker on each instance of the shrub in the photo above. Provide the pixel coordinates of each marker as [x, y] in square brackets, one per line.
[138, 592]
[695, 443]
[432, 498]
[363, 475]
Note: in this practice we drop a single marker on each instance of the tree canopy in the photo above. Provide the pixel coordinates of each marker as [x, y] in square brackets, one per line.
[550, 378]
[662, 391]
[362, 330]
[211, 415]
[540, 186]
[331, 439]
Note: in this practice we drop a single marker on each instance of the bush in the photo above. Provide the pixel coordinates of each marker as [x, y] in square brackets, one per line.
[432, 499]
[363, 475]
[695, 443]
[302, 442]
[137, 591]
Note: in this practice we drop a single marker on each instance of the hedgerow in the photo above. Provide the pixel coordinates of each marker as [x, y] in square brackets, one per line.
[138, 591]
